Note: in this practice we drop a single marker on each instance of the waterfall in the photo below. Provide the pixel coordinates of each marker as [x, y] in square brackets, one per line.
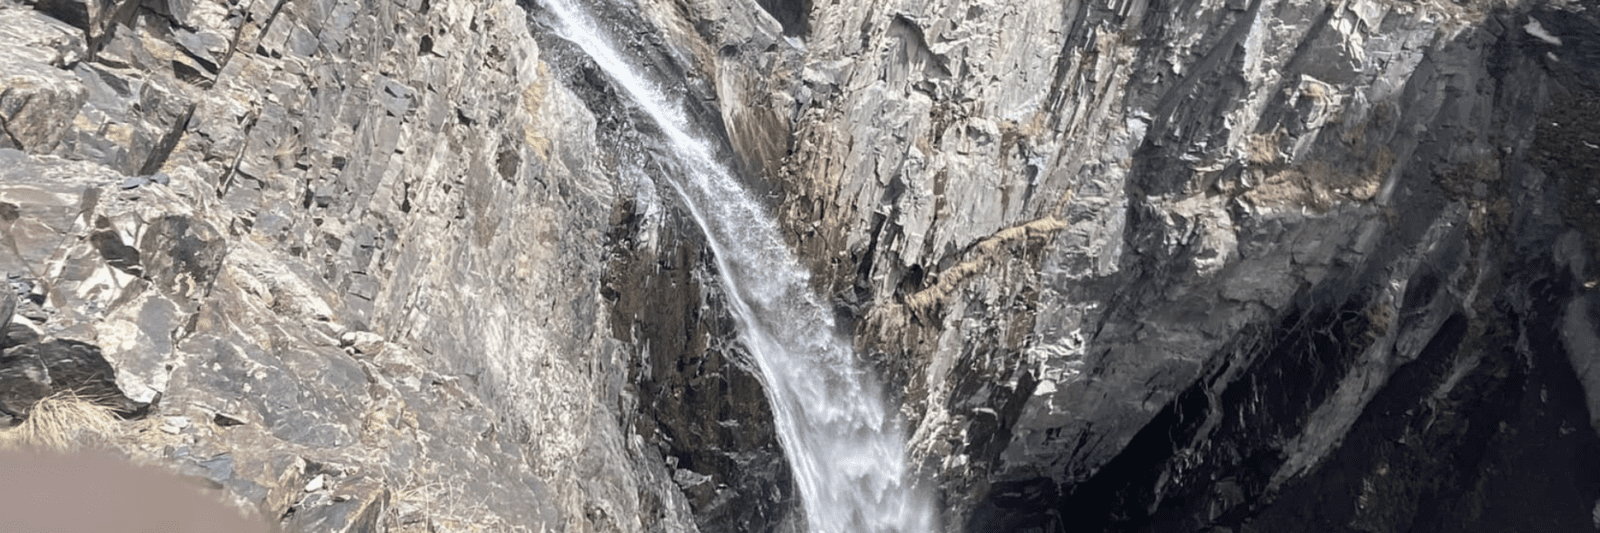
[844, 445]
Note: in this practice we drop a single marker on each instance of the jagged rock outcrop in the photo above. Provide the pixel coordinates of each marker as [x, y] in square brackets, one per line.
[353, 252]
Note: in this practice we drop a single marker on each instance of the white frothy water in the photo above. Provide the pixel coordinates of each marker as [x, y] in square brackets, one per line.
[844, 446]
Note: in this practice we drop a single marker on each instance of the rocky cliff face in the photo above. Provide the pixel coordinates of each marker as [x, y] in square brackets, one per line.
[1172, 266]
[1201, 265]
[354, 253]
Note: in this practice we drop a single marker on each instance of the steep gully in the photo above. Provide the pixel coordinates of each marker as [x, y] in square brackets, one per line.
[844, 446]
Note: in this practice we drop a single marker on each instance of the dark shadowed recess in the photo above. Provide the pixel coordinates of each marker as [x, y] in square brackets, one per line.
[794, 15]
[1487, 429]
[1507, 447]
[1300, 364]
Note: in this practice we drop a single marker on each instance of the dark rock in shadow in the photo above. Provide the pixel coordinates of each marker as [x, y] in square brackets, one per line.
[793, 15]
[32, 369]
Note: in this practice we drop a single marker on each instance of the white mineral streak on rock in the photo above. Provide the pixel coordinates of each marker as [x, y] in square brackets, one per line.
[1534, 28]
[1583, 349]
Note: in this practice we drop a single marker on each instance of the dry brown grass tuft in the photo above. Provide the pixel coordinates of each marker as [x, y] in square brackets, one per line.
[1261, 149]
[62, 422]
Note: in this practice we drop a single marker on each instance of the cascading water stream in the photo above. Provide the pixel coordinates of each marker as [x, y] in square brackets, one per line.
[844, 446]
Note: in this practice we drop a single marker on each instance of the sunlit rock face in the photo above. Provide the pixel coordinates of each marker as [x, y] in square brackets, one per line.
[353, 255]
[1233, 265]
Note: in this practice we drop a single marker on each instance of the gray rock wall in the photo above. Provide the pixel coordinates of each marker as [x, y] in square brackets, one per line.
[354, 252]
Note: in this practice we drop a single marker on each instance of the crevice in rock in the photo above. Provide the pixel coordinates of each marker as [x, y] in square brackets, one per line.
[225, 182]
[99, 30]
[5, 126]
[793, 15]
[163, 148]
[239, 34]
